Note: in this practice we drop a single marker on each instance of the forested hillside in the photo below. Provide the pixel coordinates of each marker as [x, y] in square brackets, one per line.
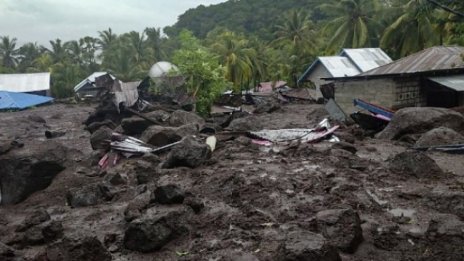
[257, 17]
[244, 42]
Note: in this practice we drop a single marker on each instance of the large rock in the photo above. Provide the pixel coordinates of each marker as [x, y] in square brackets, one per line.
[169, 194]
[179, 118]
[37, 217]
[101, 138]
[155, 229]
[158, 116]
[250, 123]
[135, 125]
[342, 227]
[440, 136]
[88, 248]
[136, 206]
[446, 201]
[189, 153]
[27, 170]
[88, 195]
[43, 233]
[160, 135]
[416, 120]
[415, 164]
[305, 245]
[94, 126]
[445, 238]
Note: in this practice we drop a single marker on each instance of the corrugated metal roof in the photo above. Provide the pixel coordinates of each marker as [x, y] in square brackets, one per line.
[431, 59]
[366, 58]
[14, 100]
[339, 66]
[25, 82]
[455, 82]
[89, 81]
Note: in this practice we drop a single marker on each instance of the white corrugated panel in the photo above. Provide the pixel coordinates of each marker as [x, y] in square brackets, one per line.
[90, 80]
[25, 82]
[367, 58]
[339, 66]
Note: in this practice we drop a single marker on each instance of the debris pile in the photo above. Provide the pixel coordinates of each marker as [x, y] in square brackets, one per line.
[148, 179]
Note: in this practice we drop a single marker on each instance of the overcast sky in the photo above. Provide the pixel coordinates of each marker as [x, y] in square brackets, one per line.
[43, 20]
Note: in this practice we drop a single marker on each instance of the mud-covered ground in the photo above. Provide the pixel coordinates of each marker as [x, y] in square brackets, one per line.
[247, 202]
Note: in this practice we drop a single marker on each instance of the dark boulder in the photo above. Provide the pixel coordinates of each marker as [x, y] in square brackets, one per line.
[305, 245]
[160, 135]
[445, 238]
[250, 123]
[25, 171]
[418, 120]
[179, 118]
[88, 195]
[35, 218]
[155, 229]
[446, 201]
[440, 136]
[135, 125]
[189, 153]
[342, 227]
[101, 138]
[43, 233]
[159, 116]
[169, 194]
[415, 164]
[136, 206]
[94, 126]
[87, 248]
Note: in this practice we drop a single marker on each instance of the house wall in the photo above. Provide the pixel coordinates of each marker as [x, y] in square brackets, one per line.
[388, 92]
[377, 91]
[315, 77]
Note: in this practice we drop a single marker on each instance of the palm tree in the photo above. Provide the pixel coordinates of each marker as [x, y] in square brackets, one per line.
[8, 52]
[154, 41]
[412, 31]
[353, 23]
[107, 38]
[235, 55]
[26, 56]
[296, 30]
[58, 51]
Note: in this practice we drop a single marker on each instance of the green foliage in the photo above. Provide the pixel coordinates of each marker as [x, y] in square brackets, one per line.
[205, 77]
[243, 42]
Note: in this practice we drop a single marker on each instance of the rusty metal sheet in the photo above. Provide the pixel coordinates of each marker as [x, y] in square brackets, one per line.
[431, 59]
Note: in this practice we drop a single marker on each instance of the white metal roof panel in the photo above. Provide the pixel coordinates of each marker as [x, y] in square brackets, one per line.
[455, 82]
[367, 58]
[25, 82]
[89, 80]
[339, 66]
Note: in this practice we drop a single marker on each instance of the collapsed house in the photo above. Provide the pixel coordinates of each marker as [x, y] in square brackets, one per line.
[87, 87]
[32, 83]
[432, 77]
[349, 62]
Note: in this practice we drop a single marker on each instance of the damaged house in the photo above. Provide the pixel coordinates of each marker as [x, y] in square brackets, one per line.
[349, 62]
[432, 77]
[87, 87]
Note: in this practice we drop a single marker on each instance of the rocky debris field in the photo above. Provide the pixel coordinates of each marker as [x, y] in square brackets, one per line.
[363, 198]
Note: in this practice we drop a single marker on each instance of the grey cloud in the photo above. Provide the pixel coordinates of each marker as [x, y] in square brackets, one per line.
[44, 20]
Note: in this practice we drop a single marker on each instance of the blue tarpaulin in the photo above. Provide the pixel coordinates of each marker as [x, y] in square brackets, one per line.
[19, 101]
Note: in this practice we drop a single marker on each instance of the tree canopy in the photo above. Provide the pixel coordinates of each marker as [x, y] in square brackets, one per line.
[238, 43]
